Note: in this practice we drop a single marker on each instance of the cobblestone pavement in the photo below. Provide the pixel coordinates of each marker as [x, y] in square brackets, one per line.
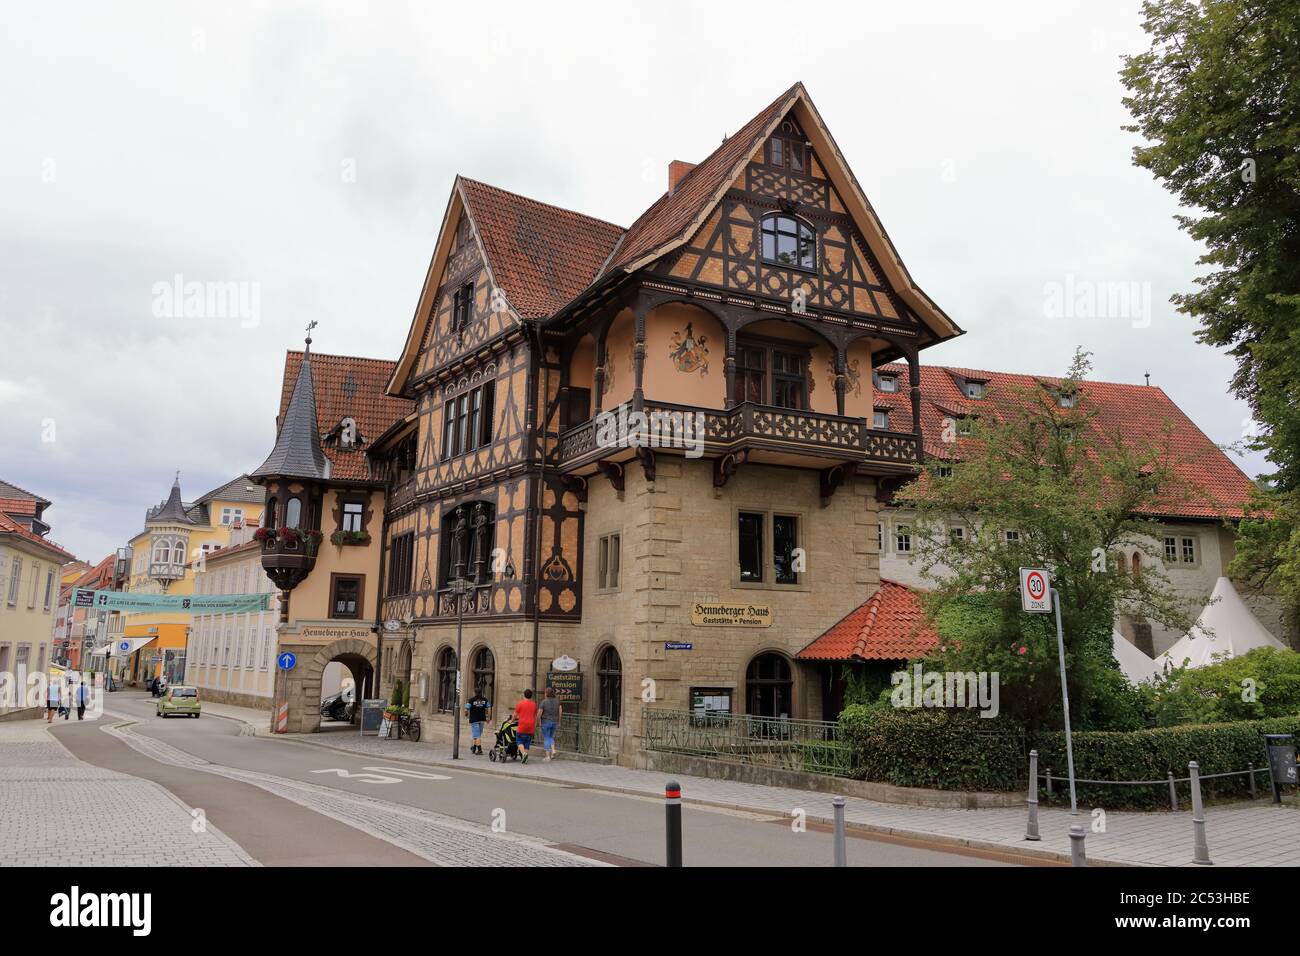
[440, 839]
[60, 811]
[1243, 834]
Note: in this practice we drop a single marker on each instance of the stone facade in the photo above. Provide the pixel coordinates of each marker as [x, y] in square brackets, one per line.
[679, 548]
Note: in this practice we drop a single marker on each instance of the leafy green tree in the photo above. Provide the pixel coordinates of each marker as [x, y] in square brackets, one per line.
[1262, 683]
[1216, 99]
[1040, 483]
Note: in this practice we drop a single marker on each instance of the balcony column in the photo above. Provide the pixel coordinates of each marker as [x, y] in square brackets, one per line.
[599, 381]
[729, 367]
[841, 380]
[914, 378]
[638, 359]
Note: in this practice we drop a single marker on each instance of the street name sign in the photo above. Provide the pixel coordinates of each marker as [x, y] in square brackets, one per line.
[1035, 591]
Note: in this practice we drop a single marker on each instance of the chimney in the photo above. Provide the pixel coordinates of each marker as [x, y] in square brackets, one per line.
[677, 171]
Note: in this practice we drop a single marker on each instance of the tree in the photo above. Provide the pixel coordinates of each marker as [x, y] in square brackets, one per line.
[1217, 101]
[1073, 495]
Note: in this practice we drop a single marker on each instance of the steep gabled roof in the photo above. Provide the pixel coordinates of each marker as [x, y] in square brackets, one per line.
[540, 255]
[346, 387]
[239, 489]
[174, 510]
[297, 452]
[545, 258]
[888, 626]
[1137, 412]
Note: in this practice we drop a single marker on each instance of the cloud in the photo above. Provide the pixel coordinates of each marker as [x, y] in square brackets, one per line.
[211, 141]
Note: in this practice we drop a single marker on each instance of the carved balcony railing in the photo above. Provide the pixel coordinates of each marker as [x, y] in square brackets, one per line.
[402, 494]
[747, 425]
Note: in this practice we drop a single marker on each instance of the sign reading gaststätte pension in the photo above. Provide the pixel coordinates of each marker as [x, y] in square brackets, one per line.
[731, 615]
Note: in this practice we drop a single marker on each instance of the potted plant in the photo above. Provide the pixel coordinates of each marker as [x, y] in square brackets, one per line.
[341, 538]
[264, 535]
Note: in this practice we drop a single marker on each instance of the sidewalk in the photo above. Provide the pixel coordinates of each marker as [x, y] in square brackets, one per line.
[59, 811]
[1245, 834]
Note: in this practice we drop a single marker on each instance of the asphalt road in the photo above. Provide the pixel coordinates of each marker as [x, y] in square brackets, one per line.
[618, 828]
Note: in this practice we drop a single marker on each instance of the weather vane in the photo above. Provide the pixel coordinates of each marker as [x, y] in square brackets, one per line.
[310, 325]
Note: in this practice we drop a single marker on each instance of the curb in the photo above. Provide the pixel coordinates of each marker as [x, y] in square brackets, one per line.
[860, 828]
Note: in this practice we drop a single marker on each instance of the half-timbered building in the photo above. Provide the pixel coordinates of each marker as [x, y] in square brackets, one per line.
[650, 449]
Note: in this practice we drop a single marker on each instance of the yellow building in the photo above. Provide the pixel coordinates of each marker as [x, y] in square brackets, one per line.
[30, 570]
[173, 547]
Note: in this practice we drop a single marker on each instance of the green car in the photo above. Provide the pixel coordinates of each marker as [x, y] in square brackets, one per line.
[179, 700]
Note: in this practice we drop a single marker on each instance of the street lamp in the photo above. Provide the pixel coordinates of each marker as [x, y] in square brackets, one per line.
[459, 587]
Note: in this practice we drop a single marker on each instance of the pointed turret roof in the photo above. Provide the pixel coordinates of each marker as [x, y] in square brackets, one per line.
[297, 452]
[173, 511]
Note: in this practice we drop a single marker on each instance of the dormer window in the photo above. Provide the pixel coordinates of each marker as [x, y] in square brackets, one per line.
[461, 307]
[787, 148]
[789, 242]
[1066, 399]
[880, 420]
[887, 383]
[974, 389]
[965, 427]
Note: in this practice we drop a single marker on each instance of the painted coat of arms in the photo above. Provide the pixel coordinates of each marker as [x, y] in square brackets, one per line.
[689, 352]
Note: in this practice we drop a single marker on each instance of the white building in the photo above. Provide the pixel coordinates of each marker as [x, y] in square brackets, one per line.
[1197, 536]
[231, 657]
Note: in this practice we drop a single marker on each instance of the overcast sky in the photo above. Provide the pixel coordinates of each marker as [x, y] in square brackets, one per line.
[308, 151]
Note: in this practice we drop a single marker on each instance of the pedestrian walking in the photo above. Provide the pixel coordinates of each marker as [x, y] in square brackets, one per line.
[83, 695]
[550, 720]
[480, 711]
[66, 710]
[51, 700]
[526, 712]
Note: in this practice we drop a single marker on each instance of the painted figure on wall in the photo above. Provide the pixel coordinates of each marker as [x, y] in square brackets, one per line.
[689, 352]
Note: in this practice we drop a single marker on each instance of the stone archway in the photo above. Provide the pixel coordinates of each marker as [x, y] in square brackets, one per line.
[303, 683]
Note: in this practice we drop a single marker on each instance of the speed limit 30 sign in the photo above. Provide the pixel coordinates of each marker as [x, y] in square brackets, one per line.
[1035, 591]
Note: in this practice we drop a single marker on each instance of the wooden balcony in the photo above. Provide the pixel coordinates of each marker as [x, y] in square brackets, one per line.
[765, 432]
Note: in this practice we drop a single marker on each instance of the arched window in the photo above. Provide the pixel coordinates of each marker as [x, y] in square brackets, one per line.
[446, 680]
[268, 518]
[292, 512]
[485, 677]
[1121, 563]
[178, 551]
[768, 686]
[609, 682]
[161, 550]
[789, 242]
[1137, 564]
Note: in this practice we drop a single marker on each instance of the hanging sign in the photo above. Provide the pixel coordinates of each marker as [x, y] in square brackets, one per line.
[131, 602]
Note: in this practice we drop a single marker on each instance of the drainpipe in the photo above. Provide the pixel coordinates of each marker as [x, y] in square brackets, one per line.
[539, 429]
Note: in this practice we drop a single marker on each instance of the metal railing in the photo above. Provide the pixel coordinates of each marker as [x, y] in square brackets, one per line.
[587, 734]
[807, 746]
[1169, 781]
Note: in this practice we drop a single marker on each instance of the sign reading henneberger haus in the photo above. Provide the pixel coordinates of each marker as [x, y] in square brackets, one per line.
[731, 615]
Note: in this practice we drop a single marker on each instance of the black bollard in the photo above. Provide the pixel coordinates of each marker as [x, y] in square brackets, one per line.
[673, 821]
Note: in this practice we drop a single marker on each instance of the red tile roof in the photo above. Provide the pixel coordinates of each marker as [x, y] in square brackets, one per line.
[542, 256]
[1136, 412]
[9, 526]
[18, 506]
[674, 212]
[888, 627]
[348, 387]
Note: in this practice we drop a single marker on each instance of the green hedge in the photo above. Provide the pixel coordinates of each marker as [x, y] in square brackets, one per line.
[938, 748]
[1151, 754]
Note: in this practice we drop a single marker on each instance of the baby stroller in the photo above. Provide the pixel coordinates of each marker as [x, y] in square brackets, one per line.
[506, 747]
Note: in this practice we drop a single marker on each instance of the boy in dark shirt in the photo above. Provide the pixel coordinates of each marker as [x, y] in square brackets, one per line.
[480, 710]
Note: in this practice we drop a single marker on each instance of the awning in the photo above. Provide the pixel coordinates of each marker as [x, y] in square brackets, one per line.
[1225, 629]
[126, 646]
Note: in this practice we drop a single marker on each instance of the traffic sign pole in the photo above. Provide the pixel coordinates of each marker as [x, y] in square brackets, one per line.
[1065, 701]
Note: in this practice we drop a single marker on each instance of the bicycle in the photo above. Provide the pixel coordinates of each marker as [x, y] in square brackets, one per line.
[409, 724]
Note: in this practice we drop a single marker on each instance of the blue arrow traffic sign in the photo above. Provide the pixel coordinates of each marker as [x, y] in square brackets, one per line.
[125, 646]
[287, 660]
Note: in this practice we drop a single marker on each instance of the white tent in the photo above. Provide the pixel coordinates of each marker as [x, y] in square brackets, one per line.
[1226, 628]
[1134, 664]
